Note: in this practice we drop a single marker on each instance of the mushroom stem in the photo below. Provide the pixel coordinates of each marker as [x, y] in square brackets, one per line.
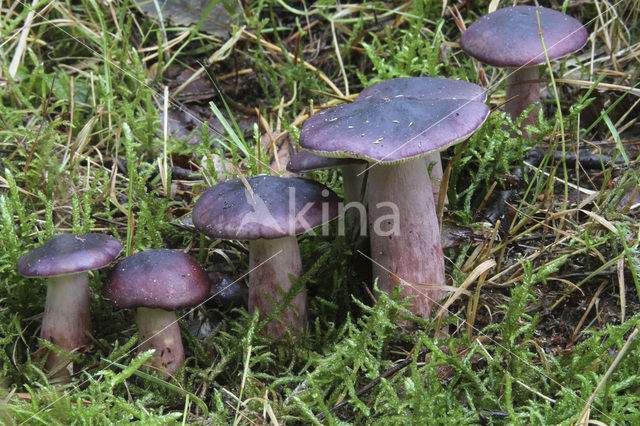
[352, 180]
[66, 317]
[352, 177]
[435, 175]
[523, 89]
[159, 330]
[272, 263]
[405, 238]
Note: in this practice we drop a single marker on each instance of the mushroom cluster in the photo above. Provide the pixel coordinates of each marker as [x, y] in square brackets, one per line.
[157, 282]
[386, 133]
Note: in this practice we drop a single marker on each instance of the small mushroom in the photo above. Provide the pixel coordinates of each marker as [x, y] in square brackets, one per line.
[269, 212]
[65, 261]
[393, 134]
[510, 37]
[157, 283]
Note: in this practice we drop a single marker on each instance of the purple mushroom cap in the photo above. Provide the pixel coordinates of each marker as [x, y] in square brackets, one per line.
[162, 278]
[274, 207]
[392, 130]
[68, 254]
[424, 88]
[509, 37]
[305, 161]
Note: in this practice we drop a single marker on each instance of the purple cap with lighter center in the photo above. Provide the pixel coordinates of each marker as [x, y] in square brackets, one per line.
[268, 211]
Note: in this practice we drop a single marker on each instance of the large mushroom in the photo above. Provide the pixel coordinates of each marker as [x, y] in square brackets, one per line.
[393, 134]
[510, 37]
[157, 283]
[269, 212]
[65, 260]
[426, 88]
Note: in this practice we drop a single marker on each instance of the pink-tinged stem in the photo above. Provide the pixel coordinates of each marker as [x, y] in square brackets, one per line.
[272, 263]
[405, 239]
[158, 329]
[67, 318]
[523, 89]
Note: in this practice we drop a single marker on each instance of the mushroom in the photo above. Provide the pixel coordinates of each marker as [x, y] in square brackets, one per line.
[269, 212]
[157, 283]
[65, 260]
[393, 134]
[352, 178]
[426, 88]
[510, 37]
